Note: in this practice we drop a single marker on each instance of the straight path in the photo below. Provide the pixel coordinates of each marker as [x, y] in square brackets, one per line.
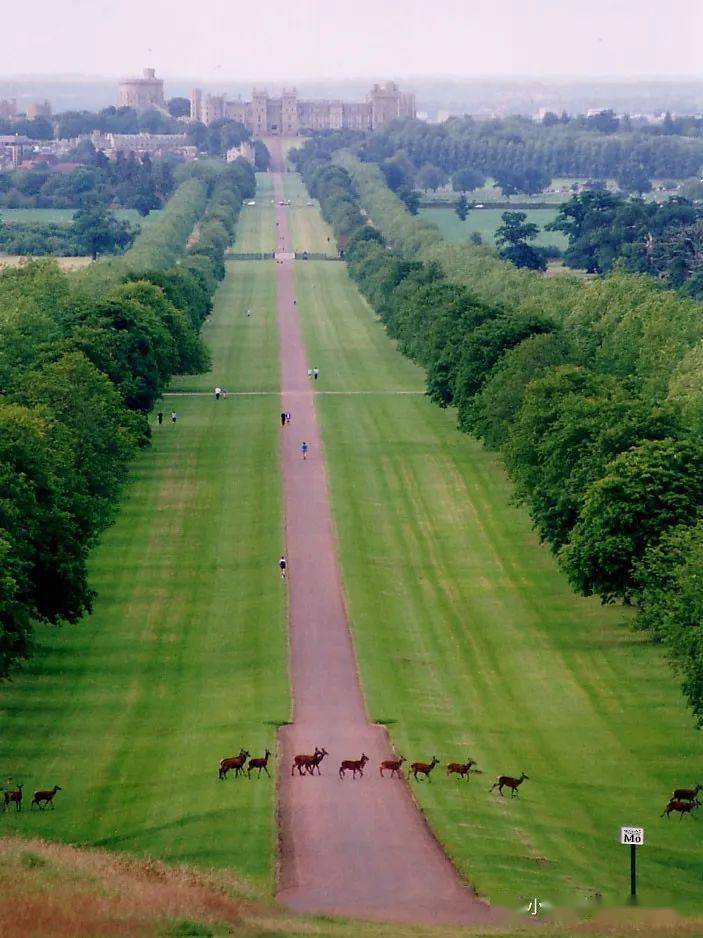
[355, 848]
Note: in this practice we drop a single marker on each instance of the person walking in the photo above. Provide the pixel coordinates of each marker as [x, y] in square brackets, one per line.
[173, 416]
[304, 449]
[160, 417]
[282, 566]
[287, 416]
[218, 391]
[315, 373]
[283, 418]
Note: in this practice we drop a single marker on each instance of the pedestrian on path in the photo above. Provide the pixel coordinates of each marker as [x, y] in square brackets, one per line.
[309, 372]
[173, 416]
[315, 373]
[248, 312]
[218, 391]
[160, 417]
[283, 418]
[304, 449]
[282, 566]
[287, 416]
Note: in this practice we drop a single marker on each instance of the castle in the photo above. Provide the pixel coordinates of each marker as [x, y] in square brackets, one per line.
[288, 115]
[142, 94]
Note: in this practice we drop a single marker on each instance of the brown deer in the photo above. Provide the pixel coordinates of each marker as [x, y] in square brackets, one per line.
[259, 764]
[47, 796]
[507, 781]
[392, 766]
[686, 794]
[462, 769]
[234, 762]
[309, 763]
[13, 796]
[683, 807]
[354, 765]
[424, 768]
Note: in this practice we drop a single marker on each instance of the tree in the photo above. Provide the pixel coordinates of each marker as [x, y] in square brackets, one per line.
[430, 177]
[410, 199]
[634, 178]
[643, 493]
[178, 107]
[512, 237]
[462, 207]
[467, 179]
[98, 231]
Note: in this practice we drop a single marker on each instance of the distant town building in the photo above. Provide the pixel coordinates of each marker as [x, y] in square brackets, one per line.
[14, 149]
[158, 145]
[142, 94]
[8, 108]
[39, 109]
[287, 115]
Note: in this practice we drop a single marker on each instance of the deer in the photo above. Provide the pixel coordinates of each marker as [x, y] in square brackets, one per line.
[354, 765]
[309, 763]
[259, 764]
[392, 765]
[462, 769]
[13, 796]
[234, 762]
[686, 794]
[683, 807]
[47, 796]
[424, 768]
[507, 781]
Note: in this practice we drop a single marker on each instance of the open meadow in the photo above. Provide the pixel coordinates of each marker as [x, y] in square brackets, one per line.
[485, 221]
[64, 216]
[471, 643]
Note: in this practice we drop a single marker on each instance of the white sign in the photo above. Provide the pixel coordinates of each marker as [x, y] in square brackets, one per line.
[632, 835]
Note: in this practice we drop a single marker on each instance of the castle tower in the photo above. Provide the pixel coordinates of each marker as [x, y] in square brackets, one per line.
[290, 123]
[196, 104]
[142, 94]
[259, 112]
[385, 104]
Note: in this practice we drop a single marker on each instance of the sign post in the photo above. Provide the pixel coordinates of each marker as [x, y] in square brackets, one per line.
[634, 837]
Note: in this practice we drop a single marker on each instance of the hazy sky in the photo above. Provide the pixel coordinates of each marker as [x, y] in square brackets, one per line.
[299, 39]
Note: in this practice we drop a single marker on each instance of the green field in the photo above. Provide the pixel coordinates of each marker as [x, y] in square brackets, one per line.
[307, 229]
[470, 642]
[486, 220]
[63, 216]
[185, 658]
[256, 227]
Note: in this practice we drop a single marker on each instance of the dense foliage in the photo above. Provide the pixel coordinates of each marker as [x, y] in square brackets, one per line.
[83, 359]
[127, 181]
[591, 391]
[605, 228]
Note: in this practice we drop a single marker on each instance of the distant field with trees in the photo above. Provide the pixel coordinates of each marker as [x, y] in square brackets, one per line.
[485, 221]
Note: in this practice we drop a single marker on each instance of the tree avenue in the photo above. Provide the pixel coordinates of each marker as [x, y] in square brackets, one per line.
[83, 359]
[593, 396]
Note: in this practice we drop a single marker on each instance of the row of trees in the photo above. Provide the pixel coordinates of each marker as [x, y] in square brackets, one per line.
[82, 362]
[591, 392]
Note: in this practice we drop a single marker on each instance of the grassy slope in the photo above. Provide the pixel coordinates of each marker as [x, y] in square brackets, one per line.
[471, 642]
[184, 659]
[307, 229]
[485, 222]
[256, 228]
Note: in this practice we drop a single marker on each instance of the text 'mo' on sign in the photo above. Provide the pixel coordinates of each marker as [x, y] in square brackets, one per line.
[632, 835]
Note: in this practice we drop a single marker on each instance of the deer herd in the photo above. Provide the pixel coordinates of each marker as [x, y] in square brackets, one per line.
[682, 801]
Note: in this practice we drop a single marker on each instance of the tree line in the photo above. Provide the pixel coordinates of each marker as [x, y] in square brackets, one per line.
[83, 359]
[591, 392]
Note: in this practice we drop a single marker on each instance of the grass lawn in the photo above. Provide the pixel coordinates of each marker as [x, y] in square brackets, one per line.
[249, 285]
[185, 658]
[65, 215]
[307, 229]
[486, 220]
[256, 227]
[470, 642]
